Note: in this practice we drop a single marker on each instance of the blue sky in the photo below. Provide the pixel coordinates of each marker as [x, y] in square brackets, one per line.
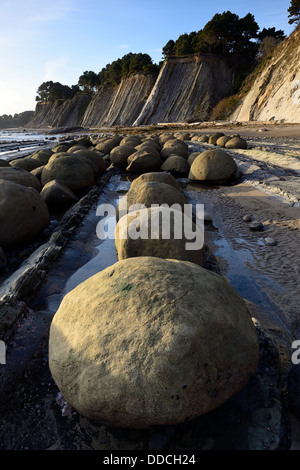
[58, 40]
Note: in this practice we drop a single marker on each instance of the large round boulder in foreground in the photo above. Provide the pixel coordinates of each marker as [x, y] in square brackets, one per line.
[149, 342]
[212, 165]
[23, 213]
[160, 232]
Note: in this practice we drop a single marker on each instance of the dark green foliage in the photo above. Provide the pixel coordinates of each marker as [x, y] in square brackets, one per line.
[129, 64]
[271, 32]
[17, 120]
[52, 91]
[168, 49]
[88, 81]
[225, 34]
[294, 12]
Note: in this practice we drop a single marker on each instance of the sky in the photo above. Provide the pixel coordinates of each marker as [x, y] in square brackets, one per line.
[58, 40]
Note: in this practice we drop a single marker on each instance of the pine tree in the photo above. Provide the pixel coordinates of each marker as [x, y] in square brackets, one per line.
[294, 12]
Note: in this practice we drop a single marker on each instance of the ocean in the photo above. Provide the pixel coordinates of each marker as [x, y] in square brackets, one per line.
[16, 143]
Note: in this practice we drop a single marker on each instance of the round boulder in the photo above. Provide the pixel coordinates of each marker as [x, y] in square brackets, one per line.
[143, 161]
[94, 157]
[23, 213]
[150, 342]
[20, 176]
[57, 195]
[222, 141]
[120, 154]
[236, 143]
[212, 165]
[70, 171]
[149, 193]
[26, 163]
[176, 164]
[214, 137]
[158, 177]
[174, 147]
[161, 232]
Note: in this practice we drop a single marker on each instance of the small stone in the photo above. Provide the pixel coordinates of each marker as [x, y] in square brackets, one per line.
[256, 226]
[270, 241]
[247, 218]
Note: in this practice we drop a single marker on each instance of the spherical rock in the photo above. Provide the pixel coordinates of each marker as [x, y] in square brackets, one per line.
[56, 194]
[214, 137]
[213, 165]
[158, 177]
[120, 154]
[236, 143]
[174, 147]
[223, 140]
[70, 171]
[150, 342]
[162, 232]
[23, 213]
[20, 176]
[143, 161]
[95, 157]
[176, 164]
[26, 163]
[149, 193]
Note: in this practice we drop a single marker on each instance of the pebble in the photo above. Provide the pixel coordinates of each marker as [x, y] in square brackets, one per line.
[256, 226]
[270, 241]
[247, 218]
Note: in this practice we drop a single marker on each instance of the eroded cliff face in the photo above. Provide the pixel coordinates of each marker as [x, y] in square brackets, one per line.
[187, 89]
[68, 113]
[120, 105]
[275, 94]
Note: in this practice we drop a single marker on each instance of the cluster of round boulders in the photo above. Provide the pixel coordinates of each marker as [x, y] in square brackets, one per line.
[151, 341]
[154, 339]
[50, 178]
[151, 153]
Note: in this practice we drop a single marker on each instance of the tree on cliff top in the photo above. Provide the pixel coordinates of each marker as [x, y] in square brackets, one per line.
[52, 91]
[294, 12]
[225, 34]
[129, 64]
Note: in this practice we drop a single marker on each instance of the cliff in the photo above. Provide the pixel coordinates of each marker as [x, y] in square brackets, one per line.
[119, 105]
[275, 94]
[186, 89]
[66, 113]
